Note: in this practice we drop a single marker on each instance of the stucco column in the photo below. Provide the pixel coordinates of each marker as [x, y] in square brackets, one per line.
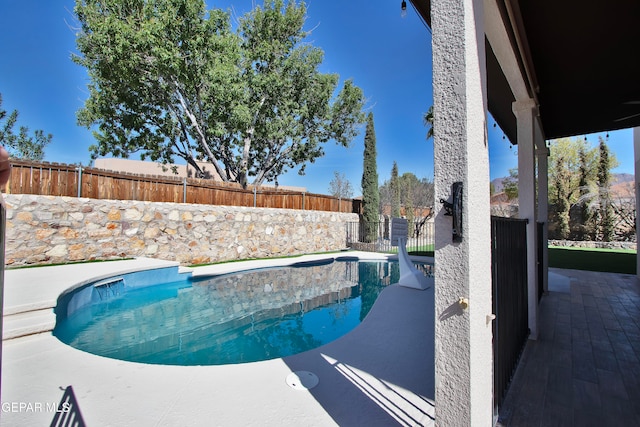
[636, 153]
[542, 154]
[463, 347]
[525, 112]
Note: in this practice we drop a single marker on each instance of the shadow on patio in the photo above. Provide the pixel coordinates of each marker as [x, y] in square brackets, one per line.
[584, 370]
[381, 373]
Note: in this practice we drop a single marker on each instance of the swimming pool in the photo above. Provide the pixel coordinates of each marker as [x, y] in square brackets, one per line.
[225, 319]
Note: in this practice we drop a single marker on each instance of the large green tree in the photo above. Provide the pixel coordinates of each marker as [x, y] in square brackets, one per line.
[414, 192]
[563, 194]
[573, 168]
[169, 78]
[584, 229]
[567, 157]
[22, 145]
[564, 164]
[370, 190]
[510, 184]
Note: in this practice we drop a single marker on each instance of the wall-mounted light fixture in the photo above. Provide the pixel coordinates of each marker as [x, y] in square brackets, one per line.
[454, 209]
[403, 9]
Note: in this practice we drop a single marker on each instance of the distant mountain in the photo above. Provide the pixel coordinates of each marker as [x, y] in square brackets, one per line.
[619, 178]
[623, 185]
[498, 184]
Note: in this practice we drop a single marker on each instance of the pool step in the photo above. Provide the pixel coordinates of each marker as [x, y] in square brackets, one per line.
[30, 294]
[28, 323]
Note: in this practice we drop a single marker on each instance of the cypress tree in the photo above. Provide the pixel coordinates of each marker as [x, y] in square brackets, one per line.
[563, 178]
[409, 213]
[604, 185]
[370, 192]
[584, 229]
[395, 192]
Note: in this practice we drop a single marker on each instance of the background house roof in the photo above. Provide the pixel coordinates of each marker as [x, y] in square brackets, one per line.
[583, 59]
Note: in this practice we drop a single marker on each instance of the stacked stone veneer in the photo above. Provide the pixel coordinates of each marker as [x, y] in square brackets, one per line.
[45, 229]
[591, 244]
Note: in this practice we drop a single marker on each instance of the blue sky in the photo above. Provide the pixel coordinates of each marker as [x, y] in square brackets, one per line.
[386, 55]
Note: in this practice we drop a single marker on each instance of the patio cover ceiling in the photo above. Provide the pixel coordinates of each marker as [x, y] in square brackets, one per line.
[582, 59]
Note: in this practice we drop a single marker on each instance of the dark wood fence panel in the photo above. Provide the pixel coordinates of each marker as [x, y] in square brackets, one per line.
[53, 179]
[509, 278]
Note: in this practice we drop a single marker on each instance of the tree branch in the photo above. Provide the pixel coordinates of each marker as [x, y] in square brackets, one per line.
[202, 137]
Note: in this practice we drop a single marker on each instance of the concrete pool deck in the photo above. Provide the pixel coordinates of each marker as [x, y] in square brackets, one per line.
[381, 373]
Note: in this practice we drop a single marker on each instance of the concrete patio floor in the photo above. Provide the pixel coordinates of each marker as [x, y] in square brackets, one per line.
[367, 377]
[584, 369]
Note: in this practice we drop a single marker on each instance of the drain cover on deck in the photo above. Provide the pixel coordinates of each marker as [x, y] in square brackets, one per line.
[302, 380]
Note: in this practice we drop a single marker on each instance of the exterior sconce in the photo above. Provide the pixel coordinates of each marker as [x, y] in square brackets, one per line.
[454, 209]
[403, 9]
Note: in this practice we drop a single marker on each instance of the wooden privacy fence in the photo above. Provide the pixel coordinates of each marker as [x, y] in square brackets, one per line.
[53, 179]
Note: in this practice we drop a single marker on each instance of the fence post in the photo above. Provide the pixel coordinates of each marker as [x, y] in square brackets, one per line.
[255, 196]
[79, 181]
[303, 193]
[184, 190]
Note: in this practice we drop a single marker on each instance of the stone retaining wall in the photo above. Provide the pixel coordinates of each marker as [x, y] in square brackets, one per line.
[46, 230]
[589, 244]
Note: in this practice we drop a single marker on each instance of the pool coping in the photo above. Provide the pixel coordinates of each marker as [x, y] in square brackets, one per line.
[35, 365]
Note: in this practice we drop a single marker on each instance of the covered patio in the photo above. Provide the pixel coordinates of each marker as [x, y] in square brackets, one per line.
[543, 69]
[584, 368]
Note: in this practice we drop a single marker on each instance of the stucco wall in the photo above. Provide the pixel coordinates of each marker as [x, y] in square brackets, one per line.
[44, 229]
[463, 349]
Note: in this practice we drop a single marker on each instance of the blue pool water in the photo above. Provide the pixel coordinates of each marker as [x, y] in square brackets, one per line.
[232, 318]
